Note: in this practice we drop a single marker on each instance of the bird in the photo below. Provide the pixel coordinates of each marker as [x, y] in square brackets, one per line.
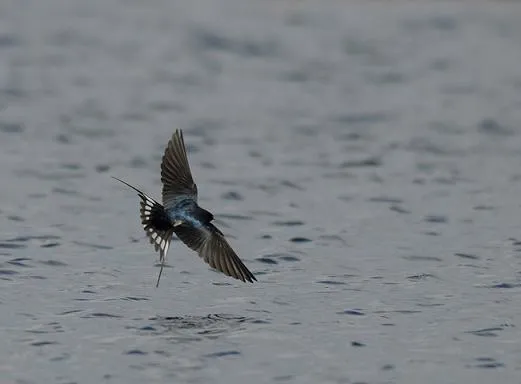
[181, 215]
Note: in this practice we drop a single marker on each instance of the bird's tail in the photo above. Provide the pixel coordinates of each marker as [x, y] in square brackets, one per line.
[156, 224]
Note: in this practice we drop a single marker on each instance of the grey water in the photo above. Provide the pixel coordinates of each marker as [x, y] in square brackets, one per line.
[363, 159]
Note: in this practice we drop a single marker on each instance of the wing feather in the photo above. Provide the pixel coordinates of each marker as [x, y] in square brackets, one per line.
[213, 248]
[175, 172]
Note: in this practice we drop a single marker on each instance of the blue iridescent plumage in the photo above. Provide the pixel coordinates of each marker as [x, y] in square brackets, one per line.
[180, 214]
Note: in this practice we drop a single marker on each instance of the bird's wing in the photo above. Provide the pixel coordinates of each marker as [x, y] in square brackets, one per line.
[211, 245]
[154, 221]
[175, 172]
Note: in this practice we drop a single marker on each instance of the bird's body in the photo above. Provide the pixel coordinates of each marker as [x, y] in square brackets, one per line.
[189, 212]
[181, 215]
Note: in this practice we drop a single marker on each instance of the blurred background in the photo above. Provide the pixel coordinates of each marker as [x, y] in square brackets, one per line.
[363, 158]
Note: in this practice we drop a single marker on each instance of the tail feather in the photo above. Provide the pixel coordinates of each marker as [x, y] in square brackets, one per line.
[156, 224]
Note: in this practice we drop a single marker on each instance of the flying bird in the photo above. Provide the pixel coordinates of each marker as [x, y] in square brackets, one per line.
[181, 215]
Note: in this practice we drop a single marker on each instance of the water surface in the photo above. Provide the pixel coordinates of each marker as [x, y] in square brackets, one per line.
[364, 160]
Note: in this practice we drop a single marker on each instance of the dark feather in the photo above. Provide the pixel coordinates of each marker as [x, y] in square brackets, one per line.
[175, 172]
[211, 245]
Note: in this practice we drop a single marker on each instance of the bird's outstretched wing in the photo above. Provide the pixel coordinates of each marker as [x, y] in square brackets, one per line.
[175, 172]
[211, 245]
[155, 223]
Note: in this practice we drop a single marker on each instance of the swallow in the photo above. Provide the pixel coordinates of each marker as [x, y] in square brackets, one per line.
[181, 215]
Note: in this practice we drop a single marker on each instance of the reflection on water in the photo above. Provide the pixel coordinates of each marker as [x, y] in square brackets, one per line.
[192, 328]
